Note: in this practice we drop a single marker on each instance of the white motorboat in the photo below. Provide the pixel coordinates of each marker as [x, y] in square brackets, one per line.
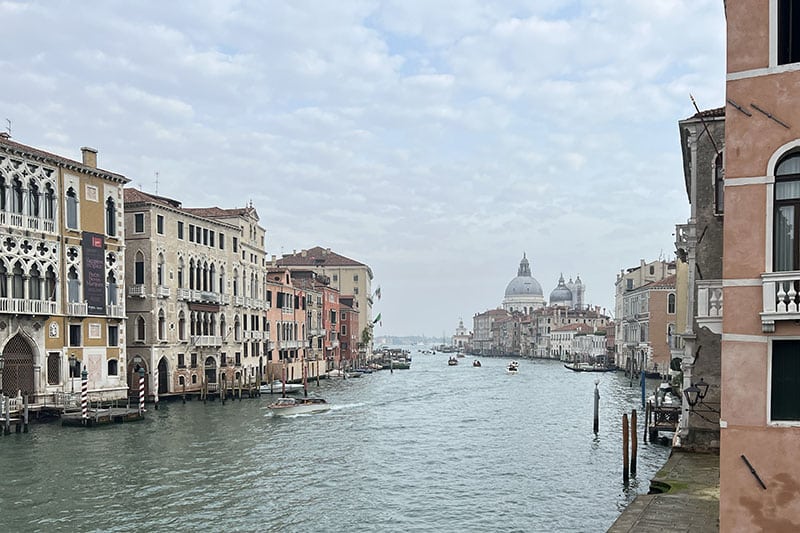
[277, 387]
[298, 406]
[513, 367]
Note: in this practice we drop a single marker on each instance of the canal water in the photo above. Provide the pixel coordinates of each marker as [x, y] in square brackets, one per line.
[433, 448]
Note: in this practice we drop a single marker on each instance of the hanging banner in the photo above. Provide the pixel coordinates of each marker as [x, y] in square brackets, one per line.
[94, 277]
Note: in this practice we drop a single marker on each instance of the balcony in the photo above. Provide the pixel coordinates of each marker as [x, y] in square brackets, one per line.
[685, 238]
[206, 340]
[184, 294]
[136, 290]
[162, 292]
[32, 307]
[781, 298]
[116, 310]
[77, 309]
[238, 300]
[709, 305]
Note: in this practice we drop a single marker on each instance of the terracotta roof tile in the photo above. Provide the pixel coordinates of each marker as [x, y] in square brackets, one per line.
[317, 256]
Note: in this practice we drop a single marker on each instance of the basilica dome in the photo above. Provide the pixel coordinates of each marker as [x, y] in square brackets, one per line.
[524, 284]
[561, 295]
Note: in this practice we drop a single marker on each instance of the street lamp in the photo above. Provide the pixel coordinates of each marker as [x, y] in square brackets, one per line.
[696, 392]
[72, 361]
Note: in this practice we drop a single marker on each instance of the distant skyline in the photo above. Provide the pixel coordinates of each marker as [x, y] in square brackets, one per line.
[434, 141]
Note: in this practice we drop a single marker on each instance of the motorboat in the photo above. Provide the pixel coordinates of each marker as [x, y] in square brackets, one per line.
[513, 367]
[452, 361]
[298, 406]
[476, 363]
[588, 367]
[277, 387]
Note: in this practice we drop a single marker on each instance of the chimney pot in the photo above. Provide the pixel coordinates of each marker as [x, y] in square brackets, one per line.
[89, 156]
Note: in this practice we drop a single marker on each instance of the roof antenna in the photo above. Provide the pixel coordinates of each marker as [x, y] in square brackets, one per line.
[156, 182]
[8, 127]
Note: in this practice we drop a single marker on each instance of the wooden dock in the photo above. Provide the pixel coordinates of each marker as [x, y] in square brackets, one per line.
[102, 416]
[661, 419]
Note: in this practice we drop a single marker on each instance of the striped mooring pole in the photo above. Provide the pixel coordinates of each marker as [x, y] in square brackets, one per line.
[155, 389]
[141, 390]
[84, 396]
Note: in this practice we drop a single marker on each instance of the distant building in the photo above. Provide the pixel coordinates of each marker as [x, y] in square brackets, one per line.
[523, 293]
[461, 339]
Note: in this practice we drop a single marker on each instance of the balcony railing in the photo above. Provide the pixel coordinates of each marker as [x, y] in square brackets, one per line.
[781, 298]
[184, 294]
[116, 310]
[33, 307]
[136, 290]
[238, 300]
[77, 309]
[207, 340]
[709, 305]
[162, 292]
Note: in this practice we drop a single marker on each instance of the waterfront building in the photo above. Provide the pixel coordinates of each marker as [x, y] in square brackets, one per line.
[347, 276]
[523, 293]
[482, 339]
[699, 274]
[62, 263]
[348, 331]
[760, 418]
[195, 294]
[648, 317]
[462, 337]
[628, 280]
[313, 286]
[548, 319]
[287, 329]
[506, 334]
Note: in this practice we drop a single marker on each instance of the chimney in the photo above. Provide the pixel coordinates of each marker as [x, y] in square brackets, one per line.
[5, 135]
[89, 156]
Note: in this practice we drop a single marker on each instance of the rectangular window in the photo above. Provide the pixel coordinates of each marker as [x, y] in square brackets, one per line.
[205, 236]
[191, 232]
[180, 230]
[221, 241]
[138, 273]
[785, 389]
[788, 32]
[355, 278]
[211, 238]
[336, 277]
[113, 335]
[235, 245]
[181, 360]
[719, 186]
[138, 223]
[75, 336]
[194, 360]
[237, 359]
[223, 359]
[160, 224]
[344, 329]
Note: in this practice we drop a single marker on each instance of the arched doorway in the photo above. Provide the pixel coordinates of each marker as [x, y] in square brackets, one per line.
[211, 370]
[136, 363]
[163, 385]
[18, 369]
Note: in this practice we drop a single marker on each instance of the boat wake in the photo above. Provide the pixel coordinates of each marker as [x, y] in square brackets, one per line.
[347, 406]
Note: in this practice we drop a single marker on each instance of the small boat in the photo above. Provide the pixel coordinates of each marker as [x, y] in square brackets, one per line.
[277, 387]
[452, 361]
[586, 367]
[476, 363]
[513, 367]
[298, 406]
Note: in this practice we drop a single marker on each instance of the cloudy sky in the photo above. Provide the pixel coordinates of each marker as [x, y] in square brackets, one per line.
[435, 141]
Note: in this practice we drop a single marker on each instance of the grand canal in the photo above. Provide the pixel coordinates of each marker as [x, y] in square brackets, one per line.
[433, 448]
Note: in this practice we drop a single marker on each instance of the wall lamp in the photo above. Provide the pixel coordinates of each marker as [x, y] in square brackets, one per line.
[696, 392]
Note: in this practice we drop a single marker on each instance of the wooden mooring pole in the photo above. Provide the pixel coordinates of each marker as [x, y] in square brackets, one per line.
[648, 412]
[625, 476]
[596, 407]
[634, 442]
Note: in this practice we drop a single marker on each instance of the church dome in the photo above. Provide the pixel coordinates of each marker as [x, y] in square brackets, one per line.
[524, 284]
[561, 295]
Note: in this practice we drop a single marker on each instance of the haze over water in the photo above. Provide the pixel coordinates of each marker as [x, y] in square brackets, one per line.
[433, 448]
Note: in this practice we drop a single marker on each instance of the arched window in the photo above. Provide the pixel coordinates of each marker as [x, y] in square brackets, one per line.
[222, 280]
[111, 288]
[222, 331]
[34, 284]
[719, 185]
[16, 196]
[73, 285]
[140, 329]
[49, 202]
[3, 281]
[72, 209]
[235, 283]
[111, 217]
[671, 303]
[33, 199]
[138, 274]
[181, 326]
[787, 213]
[205, 276]
[180, 272]
[191, 273]
[17, 281]
[113, 367]
[160, 270]
[162, 326]
[211, 278]
[50, 284]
